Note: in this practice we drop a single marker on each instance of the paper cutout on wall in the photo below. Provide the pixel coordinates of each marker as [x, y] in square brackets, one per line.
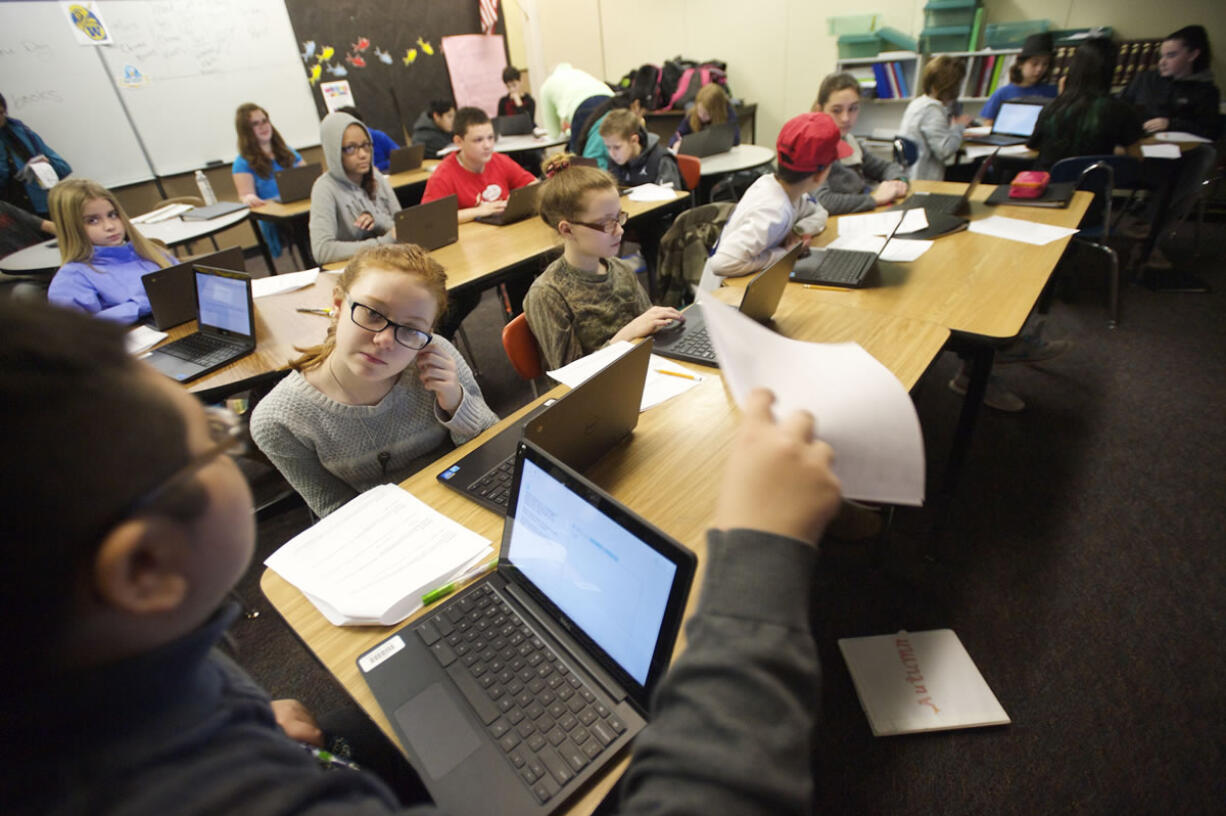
[336, 94]
[132, 77]
[337, 70]
[327, 53]
[362, 44]
[475, 63]
[87, 23]
[308, 50]
[316, 70]
[425, 46]
[383, 56]
[355, 60]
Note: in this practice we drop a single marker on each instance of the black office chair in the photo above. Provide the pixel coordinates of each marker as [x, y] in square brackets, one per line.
[1100, 175]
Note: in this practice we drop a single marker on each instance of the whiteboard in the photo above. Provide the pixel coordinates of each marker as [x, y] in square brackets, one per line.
[59, 89]
[198, 61]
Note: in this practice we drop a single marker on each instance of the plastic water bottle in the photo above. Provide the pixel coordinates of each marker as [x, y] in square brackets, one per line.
[206, 189]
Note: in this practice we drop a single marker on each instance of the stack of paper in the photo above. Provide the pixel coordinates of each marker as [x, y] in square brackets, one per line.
[163, 213]
[665, 379]
[861, 408]
[1160, 151]
[899, 250]
[371, 561]
[652, 192]
[1017, 229]
[288, 282]
[882, 223]
[142, 338]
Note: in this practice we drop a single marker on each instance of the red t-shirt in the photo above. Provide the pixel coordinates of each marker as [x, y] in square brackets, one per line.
[500, 177]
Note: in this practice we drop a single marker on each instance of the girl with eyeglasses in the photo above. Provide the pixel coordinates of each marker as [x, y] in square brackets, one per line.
[589, 297]
[352, 205]
[382, 395]
[262, 153]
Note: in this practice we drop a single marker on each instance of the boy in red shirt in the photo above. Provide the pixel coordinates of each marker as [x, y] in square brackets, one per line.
[480, 178]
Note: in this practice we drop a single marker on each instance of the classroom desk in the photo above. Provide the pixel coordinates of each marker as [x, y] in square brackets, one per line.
[668, 472]
[294, 215]
[516, 144]
[740, 157]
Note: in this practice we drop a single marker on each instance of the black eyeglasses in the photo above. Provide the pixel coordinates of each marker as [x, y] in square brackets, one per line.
[610, 226]
[226, 432]
[350, 149]
[367, 318]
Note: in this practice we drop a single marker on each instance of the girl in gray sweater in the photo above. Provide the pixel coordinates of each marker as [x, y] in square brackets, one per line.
[381, 396]
[861, 181]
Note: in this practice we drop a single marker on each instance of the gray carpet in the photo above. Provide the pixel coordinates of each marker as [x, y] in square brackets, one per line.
[1082, 567]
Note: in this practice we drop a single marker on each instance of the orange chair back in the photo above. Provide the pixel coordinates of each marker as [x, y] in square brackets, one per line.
[522, 349]
[691, 170]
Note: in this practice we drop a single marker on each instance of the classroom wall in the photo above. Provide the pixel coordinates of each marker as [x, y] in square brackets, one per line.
[779, 50]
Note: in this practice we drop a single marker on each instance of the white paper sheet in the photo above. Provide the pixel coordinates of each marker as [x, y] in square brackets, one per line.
[373, 559]
[163, 213]
[975, 151]
[899, 250]
[1016, 229]
[861, 408]
[882, 223]
[288, 282]
[142, 338]
[658, 388]
[652, 192]
[45, 173]
[981, 130]
[1180, 136]
[1160, 151]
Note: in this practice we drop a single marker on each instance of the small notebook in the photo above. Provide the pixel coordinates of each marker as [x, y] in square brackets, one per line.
[919, 681]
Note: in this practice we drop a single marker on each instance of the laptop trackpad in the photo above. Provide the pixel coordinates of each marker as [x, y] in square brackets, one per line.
[437, 730]
[173, 367]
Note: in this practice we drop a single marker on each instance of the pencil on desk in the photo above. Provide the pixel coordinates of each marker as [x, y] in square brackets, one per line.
[827, 288]
[322, 312]
[674, 374]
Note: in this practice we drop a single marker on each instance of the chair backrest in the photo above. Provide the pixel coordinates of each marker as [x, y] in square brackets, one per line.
[195, 201]
[522, 349]
[1099, 175]
[691, 170]
[906, 152]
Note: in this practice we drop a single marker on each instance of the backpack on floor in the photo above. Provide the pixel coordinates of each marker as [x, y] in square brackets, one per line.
[692, 80]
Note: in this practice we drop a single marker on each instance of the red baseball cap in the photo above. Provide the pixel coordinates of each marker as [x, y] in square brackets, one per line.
[810, 142]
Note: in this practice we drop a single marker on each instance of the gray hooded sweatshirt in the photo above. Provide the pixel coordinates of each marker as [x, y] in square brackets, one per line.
[336, 202]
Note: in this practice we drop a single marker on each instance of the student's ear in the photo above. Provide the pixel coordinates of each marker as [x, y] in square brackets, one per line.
[457, 139]
[565, 229]
[139, 566]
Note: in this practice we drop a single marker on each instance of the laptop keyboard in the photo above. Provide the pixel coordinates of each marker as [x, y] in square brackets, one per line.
[546, 720]
[204, 349]
[696, 343]
[496, 484]
[841, 267]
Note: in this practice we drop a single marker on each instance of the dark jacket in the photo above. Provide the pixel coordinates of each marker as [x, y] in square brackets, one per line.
[1190, 103]
[19, 144]
[183, 730]
[654, 165]
[1096, 131]
[508, 108]
[431, 135]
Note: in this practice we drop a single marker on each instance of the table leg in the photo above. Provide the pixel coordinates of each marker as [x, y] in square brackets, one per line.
[259, 237]
[981, 357]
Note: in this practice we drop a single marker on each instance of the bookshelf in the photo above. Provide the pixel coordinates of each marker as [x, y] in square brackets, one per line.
[891, 76]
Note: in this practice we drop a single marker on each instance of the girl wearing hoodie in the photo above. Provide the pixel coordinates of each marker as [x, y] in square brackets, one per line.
[636, 156]
[352, 205]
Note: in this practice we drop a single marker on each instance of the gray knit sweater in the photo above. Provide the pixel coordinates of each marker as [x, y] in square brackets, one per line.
[330, 452]
[845, 189]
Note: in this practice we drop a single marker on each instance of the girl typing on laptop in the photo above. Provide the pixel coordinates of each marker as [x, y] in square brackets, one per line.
[104, 257]
[381, 395]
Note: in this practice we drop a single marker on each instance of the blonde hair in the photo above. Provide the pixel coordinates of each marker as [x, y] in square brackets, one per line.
[621, 122]
[943, 77]
[409, 259]
[67, 202]
[714, 101]
[566, 187]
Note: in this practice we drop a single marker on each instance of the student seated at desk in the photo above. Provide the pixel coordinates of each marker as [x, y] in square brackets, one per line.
[117, 701]
[1181, 94]
[382, 395]
[589, 297]
[20, 147]
[929, 121]
[383, 144]
[478, 176]
[262, 153]
[433, 127]
[104, 255]
[1027, 77]
[353, 204]
[711, 107]
[516, 101]
[850, 186]
[636, 156]
[777, 211]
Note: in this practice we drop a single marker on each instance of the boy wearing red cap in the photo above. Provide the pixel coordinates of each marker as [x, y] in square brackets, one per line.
[777, 211]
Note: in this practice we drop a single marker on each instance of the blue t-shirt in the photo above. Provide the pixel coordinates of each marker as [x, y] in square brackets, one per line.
[265, 186]
[383, 147]
[1010, 92]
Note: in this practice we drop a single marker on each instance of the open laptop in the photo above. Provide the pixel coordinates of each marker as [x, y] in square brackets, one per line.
[841, 267]
[431, 225]
[518, 124]
[521, 204]
[690, 341]
[1013, 124]
[172, 291]
[514, 693]
[295, 183]
[945, 203]
[225, 319]
[709, 141]
[404, 159]
[579, 428]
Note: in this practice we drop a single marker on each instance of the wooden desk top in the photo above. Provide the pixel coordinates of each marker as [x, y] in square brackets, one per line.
[668, 472]
[965, 282]
[276, 211]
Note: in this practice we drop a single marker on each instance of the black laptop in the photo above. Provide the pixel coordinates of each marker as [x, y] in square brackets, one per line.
[519, 124]
[225, 317]
[709, 141]
[1013, 125]
[404, 159]
[514, 693]
[579, 428]
[295, 183]
[431, 225]
[690, 341]
[841, 267]
[945, 203]
[172, 291]
[521, 204]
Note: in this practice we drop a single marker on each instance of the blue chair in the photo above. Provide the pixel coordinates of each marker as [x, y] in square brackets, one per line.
[906, 152]
[1100, 175]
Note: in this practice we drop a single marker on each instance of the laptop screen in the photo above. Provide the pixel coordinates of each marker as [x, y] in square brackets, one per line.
[1016, 119]
[223, 302]
[610, 583]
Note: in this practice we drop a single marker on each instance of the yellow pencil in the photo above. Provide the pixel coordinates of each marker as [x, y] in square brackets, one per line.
[675, 374]
[827, 288]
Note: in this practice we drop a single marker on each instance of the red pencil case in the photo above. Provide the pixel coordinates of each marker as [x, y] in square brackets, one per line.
[1030, 184]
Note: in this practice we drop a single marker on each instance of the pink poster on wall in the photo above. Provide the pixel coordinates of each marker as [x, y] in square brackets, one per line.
[475, 63]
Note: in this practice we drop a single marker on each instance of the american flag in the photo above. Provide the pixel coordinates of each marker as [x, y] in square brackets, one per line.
[489, 15]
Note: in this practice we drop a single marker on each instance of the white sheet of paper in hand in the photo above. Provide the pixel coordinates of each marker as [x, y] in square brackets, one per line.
[45, 173]
[882, 223]
[651, 192]
[1160, 151]
[1017, 229]
[276, 284]
[861, 408]
[899, 250]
